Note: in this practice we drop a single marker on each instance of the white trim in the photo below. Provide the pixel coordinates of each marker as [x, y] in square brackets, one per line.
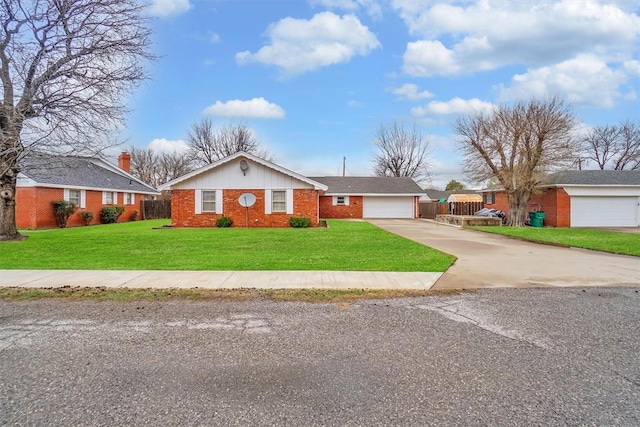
[267, 202]
[104, 197]
[80, 187]
[219, 201]
[133, 198]
[83, 199]
[316, 185]
[65, 194]
[289, 201]
[198, 201]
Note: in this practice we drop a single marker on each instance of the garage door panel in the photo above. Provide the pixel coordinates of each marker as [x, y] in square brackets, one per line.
[388, 207]
[604, 211]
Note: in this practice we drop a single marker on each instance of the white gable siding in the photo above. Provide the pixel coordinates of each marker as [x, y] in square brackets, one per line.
[229, 175]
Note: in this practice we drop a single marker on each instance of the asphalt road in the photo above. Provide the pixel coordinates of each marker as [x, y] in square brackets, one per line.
[494, 357]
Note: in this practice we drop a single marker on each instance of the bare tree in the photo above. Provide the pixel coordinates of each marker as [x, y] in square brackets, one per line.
[402, 151]
[614, 147]
[517, 145]
[157, 168]
[208, 145]
[66, 66]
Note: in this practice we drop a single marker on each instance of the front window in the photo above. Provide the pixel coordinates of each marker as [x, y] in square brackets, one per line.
[128, 198]
[74, 197]
[279, 201]
[208, 201]
[340, 200]
[108, 198]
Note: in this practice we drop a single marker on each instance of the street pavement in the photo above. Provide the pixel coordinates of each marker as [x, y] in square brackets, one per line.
[491, 261]
[508, 357]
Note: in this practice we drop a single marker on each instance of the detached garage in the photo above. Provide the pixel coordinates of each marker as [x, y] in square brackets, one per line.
[584, 198]
[369, 197]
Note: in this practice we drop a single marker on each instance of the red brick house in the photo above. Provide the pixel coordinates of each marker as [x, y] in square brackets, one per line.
[582, 198]
[199, 198]
[89, 182]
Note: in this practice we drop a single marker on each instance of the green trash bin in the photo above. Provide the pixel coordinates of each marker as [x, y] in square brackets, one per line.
[537, 218]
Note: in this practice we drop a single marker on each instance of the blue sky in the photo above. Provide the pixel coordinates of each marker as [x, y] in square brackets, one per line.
[315, 78]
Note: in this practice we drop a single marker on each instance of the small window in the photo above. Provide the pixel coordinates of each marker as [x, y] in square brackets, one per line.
[74, 197]
[108, 198]
[340, 200]
[128, 198]
[489, 198]
[279, 201]
[208, 201]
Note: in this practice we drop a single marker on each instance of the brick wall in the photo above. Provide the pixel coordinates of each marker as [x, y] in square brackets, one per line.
[353, 210]
[554, 202]
[305, 203]
[34, 207]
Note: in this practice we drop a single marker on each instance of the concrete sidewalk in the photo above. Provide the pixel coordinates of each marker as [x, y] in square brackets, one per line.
[218, 279]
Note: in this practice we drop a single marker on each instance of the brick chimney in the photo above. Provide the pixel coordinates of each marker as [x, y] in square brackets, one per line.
[124, 161]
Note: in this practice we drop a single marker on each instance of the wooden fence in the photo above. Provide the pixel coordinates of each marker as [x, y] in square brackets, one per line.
[429, 210]
[155, 209]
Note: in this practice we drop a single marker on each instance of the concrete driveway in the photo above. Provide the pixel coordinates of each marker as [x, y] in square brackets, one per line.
[490, 261]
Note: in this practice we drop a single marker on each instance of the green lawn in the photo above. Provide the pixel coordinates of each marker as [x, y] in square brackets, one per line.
[607, 241]
[345, 245]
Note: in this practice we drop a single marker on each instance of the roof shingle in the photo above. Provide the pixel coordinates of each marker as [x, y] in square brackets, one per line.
[369, 185]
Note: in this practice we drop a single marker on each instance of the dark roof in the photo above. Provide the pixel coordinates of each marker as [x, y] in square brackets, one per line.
[369, 185]
[593, 177]
[68, 171]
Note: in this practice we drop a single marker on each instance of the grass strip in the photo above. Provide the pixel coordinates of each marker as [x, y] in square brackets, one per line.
[599, 240]
[197, 294]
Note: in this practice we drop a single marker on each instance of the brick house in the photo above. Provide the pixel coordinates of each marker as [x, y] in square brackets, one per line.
[89, 182]
[582, 198]
[199, 198]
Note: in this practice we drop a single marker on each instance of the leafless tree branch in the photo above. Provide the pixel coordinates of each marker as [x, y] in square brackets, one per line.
[402, 151]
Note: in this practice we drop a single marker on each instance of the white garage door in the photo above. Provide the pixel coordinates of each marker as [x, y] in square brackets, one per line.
[388, 207]
[604, 211]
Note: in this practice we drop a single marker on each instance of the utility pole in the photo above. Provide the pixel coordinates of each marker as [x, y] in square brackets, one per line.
[344, 164]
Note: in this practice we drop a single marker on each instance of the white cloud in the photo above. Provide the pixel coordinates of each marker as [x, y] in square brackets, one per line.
[453, 106]
[215, 38]
[162, 145]
[371, 7]
[586, 80]
[299, 45]
[164, 8]
[411, 92]
[354, 104]
[256, 107]
[488, 34]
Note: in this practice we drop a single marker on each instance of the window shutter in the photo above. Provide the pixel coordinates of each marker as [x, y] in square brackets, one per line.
[267, 202]
[115, 198]
[104, 197]
[346, 200]
[83, 199]
[218, 201]
[133, 198]
[66, 194]
[290, 201]
[334, 200]
[198, 201]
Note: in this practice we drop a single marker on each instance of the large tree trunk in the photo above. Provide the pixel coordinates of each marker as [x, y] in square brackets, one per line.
[518, 201]
[8, 230]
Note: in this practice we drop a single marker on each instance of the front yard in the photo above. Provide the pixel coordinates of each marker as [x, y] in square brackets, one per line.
[345, 245]
[599, 240]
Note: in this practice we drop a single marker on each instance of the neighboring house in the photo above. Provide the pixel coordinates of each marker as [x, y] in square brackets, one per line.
[199, 198]
[89, 182]
[583, 198]
[369, 197]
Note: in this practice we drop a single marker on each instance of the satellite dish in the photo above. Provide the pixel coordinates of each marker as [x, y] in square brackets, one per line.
[246, 200]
